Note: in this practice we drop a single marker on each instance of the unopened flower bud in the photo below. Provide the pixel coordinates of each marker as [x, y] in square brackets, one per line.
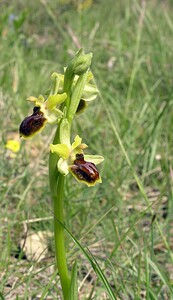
[82, 63]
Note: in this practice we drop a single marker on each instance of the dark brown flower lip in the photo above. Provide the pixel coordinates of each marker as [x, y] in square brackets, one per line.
[84, 171]
[32, 124]
[81, 107]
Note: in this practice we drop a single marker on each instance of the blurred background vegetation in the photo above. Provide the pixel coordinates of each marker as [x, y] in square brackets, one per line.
[127, 227]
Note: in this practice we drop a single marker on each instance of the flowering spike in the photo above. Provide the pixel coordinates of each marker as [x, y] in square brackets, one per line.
[69, 93]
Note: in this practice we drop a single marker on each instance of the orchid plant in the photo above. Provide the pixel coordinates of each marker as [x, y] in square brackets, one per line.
[68, 96]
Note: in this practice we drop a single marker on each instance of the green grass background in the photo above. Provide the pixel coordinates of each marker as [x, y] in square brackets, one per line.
[126, 222]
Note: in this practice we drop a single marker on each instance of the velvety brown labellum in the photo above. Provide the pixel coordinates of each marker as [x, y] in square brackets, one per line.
[82, 105]
[84, 171]
[33, 123]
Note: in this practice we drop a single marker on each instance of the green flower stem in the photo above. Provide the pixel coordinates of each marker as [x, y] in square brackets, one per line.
[57, 190]
[59, 238]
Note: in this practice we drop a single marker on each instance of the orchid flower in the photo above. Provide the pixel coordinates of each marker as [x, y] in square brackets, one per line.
[70, 94]
[72, 158]
[44, 111]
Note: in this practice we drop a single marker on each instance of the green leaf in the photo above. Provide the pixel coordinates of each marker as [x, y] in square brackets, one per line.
[161, 274]
[1, 296]
[93, 263]
[73, 292]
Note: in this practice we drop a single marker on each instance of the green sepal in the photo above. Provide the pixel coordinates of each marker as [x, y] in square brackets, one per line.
[61, 150]
[73, 291]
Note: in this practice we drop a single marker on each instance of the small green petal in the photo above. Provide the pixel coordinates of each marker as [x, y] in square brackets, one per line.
[32, 99]
[77, 142]
[54, 100]
[58, 82]
[95, 159]
[38, 101]
[57, 75]
[54, 75]
[83, 146]
[61, 149]
[41, 99]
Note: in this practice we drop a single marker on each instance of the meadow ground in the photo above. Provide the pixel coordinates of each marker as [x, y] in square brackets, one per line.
[125, 222]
